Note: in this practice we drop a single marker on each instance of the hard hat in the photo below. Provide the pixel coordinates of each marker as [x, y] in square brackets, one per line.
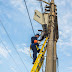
[38, 34]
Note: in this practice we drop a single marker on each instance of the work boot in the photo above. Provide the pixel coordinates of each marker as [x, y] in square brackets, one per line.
[38, 50]
[33, 63]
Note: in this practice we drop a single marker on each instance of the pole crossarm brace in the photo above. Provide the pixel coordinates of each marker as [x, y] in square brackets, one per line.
[44, 2]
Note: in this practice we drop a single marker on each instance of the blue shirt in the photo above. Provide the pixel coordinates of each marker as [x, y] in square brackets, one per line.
[33, 38]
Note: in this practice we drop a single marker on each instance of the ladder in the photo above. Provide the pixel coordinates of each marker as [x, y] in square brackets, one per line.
[39, 61]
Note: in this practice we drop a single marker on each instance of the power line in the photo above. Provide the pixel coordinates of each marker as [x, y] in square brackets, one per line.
[29, 16]
[13, 45]
[10, 54]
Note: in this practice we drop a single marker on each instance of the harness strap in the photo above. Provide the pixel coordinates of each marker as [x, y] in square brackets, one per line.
[37, 47]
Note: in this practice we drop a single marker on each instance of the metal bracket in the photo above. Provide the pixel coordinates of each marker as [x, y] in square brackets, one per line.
[44, 2]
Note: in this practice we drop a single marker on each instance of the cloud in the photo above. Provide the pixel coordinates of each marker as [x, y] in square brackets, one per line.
[70, 68]
[23, 48]
[65, 24]
[24, 44]
[9, 15]
[64, 47]
[2, 30]
[60, 2]
[18, 4]
[65, 43]
[71, 39]
[68, 54]
[0, 62]
[13, 69]
[70, 2]
[21, 45]
[4, 52]
[66, 17]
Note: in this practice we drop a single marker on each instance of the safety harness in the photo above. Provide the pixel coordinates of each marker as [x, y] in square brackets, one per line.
[31, 49]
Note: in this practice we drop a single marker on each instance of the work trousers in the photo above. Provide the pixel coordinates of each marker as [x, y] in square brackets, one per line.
[33, 47]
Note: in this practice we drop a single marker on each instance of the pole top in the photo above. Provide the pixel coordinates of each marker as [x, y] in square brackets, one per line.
[52, 1]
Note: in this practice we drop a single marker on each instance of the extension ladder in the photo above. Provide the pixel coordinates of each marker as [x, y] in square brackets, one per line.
[39, 61]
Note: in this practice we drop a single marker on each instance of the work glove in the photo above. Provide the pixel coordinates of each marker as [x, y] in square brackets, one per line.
[39, 42]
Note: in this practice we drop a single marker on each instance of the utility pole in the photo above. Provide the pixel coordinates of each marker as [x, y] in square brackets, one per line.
[50, 17]
[50, 45]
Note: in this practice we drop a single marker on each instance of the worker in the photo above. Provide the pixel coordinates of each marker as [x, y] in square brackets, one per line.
[34, 45]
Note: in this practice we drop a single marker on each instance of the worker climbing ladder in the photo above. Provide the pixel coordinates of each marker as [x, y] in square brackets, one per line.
[52, 31]
[39, 61]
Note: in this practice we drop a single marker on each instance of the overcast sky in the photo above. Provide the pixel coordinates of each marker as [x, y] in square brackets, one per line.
[15, 19]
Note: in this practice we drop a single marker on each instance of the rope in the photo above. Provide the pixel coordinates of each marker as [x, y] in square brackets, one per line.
[29, 16]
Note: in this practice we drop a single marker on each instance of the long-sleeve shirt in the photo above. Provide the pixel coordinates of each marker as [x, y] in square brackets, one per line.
[33, 38]
[32, 41]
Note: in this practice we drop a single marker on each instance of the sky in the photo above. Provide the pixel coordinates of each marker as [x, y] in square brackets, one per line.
[15, 19]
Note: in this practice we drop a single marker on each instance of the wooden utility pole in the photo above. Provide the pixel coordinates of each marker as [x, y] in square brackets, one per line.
[52, 24]
[50, 45]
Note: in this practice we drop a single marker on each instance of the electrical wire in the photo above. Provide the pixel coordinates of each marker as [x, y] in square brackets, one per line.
[42, 12]
[10, 55]
[57, 64]
[29, 16]
[13, 45]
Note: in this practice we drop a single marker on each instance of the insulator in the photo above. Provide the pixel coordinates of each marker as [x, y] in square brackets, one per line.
[56, 13]
[47, 9]
[47, 6]
[56, 9]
